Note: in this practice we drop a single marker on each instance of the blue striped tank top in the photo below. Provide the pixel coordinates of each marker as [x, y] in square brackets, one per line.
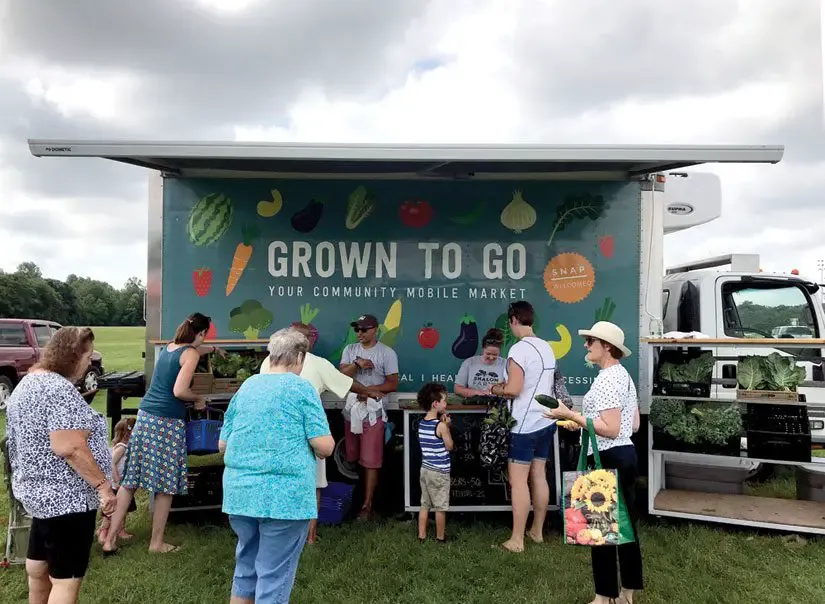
[434, 455]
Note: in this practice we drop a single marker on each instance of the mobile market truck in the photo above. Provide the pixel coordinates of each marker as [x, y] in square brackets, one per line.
[436, 241]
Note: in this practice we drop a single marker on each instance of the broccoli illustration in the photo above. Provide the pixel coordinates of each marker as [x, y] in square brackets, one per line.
[249, 319]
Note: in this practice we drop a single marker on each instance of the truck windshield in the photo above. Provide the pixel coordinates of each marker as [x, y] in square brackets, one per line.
[769, 310]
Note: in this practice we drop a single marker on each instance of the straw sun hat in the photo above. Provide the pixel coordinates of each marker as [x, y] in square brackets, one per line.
[608, 332]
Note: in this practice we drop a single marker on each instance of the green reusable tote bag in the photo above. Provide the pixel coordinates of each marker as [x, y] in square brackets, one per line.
[595, 512]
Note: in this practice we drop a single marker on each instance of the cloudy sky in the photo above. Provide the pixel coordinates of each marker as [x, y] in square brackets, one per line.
[450, 71]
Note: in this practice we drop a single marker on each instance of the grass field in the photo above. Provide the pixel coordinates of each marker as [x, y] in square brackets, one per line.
[384, 563]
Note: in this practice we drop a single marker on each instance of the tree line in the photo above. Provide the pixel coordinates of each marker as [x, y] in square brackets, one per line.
[26, 294]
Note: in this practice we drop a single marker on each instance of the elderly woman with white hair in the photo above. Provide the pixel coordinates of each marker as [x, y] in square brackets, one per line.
[273, 430]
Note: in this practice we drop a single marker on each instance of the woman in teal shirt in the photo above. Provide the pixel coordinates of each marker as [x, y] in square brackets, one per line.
[273, 430]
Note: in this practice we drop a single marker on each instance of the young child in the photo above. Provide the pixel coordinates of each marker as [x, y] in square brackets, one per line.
[436, 443]
[120, 442]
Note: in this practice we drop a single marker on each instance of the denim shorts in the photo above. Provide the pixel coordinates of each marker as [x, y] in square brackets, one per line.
[524, 448]
[266, 558]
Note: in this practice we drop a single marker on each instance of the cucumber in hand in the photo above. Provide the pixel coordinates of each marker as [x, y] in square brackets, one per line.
[547, 401]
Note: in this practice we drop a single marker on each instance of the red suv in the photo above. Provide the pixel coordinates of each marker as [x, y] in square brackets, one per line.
[21, 343]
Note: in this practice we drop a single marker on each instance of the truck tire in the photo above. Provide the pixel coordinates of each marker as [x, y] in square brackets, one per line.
[6, 386]
[89, 383]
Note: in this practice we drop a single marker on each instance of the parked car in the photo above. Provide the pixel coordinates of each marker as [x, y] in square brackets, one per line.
[21, 344]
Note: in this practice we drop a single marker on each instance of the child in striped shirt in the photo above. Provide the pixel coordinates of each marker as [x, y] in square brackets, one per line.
[436, 443]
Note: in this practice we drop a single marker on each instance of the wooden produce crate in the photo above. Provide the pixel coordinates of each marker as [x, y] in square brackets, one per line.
[767, 395]
[202, 379]
[225, 385]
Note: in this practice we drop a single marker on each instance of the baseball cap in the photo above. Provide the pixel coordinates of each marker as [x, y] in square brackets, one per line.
[365, 322]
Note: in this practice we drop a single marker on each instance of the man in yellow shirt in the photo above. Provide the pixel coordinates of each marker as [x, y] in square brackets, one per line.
[324, 377]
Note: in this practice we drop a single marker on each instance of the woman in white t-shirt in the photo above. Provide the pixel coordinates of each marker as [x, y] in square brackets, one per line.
[530, 371]
[612, 404]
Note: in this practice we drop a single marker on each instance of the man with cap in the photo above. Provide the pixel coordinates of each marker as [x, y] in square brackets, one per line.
[375, 365]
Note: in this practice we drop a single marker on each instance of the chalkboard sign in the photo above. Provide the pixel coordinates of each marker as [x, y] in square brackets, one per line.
[473, 487]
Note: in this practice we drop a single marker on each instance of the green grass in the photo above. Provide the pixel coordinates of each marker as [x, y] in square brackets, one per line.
[684, 563]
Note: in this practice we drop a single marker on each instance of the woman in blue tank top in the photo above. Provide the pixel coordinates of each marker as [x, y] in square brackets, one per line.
[156, 457]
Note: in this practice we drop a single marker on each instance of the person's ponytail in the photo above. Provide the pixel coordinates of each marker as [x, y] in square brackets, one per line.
[189, 329]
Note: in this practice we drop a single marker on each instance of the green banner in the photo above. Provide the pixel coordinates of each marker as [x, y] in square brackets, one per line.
[437, 262]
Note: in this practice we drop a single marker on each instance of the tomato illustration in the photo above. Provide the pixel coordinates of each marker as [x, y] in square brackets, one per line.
[212, 332]
[428, 336]
[415, 213]
[202, 281]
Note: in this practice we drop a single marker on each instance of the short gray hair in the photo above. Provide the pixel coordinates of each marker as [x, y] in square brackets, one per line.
[287, 347]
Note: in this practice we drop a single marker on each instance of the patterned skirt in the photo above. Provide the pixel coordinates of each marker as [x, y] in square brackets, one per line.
[156, 458]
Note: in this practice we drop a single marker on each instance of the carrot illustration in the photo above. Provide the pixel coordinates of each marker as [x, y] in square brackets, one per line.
[243, 252]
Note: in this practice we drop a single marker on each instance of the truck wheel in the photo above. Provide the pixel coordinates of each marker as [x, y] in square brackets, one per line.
[5, 391]
[89, 383]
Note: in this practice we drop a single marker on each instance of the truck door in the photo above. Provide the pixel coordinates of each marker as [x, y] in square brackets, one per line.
[42, 334]
[767, 307]
[15, 349]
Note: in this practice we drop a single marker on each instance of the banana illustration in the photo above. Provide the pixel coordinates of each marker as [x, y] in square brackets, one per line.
[268, 209]
[393, 318]
[561, 347]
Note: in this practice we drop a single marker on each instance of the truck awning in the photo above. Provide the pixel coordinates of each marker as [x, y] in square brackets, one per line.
[204, 159]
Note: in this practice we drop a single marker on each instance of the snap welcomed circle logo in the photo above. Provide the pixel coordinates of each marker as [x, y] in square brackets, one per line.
[569, 277]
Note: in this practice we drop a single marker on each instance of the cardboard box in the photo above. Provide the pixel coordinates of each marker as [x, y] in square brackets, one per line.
[225, 385]
[202, 383]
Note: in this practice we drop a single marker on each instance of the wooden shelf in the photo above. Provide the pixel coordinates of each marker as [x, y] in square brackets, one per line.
[709, 457]
[743, 508]
[743, 401]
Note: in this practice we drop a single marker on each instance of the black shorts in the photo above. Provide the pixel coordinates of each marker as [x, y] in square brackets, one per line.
[64, 543]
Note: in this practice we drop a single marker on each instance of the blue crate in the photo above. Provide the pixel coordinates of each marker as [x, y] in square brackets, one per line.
[336, 501]
[202, 435]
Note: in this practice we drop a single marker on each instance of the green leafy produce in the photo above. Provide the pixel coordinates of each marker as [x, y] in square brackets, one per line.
[249, 319]
[606, 310]
[697, 370]
[360, 205]
[234, 365]
[717, 424]
[701, 423]
[772, 372]
[547, 401]
[500, 416]
[578, 207]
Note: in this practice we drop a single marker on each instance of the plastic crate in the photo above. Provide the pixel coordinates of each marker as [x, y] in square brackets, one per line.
[202, 435]
[336, 501]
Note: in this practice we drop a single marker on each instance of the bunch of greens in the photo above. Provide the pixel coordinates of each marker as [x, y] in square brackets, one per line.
[696, 371]
[772, 372]
[234, 365]
[707, 423]
[500, 415]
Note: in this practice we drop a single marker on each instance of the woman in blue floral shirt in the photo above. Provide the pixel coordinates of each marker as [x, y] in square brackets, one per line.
[273, 430]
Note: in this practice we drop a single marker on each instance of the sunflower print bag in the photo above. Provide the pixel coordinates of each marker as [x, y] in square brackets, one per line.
[594, 509]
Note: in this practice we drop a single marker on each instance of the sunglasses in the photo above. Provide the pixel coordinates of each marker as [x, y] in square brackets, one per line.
[362, 329]
[589, 341]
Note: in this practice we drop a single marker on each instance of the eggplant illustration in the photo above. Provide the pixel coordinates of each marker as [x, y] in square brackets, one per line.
[466, 343]
[307, 219]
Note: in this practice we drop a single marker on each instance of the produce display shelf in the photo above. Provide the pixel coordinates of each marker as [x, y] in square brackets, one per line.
[709, 458]
[800, 516]
[761, 512]
[744, 401]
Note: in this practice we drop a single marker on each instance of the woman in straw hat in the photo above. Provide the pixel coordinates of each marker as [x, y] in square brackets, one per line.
[612, 405]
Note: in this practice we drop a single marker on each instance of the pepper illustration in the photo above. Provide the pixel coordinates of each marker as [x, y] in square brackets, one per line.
[428, 336]
[470, 217]
[607, 244]
[268, 209]
[466, 343]
[307, 219]
[561, 347]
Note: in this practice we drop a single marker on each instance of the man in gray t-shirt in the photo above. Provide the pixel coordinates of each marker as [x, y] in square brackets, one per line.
[375, 365]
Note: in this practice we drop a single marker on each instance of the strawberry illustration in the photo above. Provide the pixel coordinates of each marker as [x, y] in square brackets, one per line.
[202, 280]
[607, 244]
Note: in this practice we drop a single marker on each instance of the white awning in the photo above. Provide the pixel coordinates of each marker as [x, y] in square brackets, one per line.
[210, 159]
